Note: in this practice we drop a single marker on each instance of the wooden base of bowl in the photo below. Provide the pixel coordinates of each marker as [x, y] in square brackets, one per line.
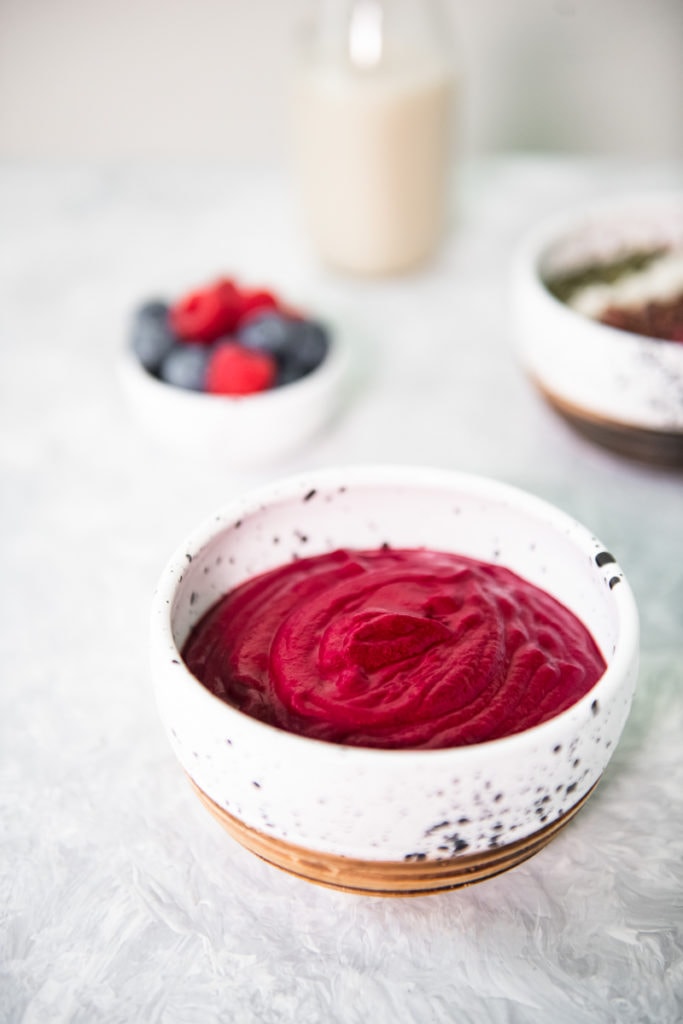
[644, 444]
[385, 878]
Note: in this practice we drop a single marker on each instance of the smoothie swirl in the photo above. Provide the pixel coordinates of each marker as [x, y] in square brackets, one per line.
[394, 648]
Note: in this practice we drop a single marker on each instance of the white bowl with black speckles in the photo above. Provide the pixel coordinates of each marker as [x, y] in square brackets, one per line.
[393, 821]
[619, 389]
[243, 431]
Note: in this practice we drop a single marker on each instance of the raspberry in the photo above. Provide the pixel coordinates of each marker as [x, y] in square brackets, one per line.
[207, 313]
[255, 301]
[235, 370]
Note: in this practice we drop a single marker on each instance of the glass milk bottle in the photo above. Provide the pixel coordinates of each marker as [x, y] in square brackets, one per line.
[373, 96]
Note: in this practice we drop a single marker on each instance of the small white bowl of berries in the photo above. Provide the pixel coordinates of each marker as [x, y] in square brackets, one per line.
[232, 373]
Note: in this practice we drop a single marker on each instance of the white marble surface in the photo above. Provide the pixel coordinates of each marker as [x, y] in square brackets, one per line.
[120, 899]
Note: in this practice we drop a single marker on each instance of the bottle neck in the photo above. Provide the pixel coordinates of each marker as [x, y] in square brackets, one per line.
[367, 36]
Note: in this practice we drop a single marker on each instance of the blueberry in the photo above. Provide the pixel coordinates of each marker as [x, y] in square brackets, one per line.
[299, 346]
[153, 309]
[185, 366]
[269, 332]
[309, 344]
[287, 372]
[151, 335]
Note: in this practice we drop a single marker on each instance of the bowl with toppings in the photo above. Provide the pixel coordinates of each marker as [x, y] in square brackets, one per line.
[232, 373]
[393, 680]
[598, 305]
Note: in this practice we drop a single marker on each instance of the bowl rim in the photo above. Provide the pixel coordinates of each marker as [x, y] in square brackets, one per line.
[164, 648]
[553, 229]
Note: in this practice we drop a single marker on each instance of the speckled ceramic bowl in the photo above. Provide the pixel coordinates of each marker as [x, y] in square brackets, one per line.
[622, 390]
[393, 822]
[238, 432]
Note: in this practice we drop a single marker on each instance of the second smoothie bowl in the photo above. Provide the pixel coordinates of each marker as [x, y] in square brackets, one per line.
[411, 678]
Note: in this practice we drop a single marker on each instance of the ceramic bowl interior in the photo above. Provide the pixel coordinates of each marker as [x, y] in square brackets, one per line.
[239, 431]
[393, 821]
[621, 389]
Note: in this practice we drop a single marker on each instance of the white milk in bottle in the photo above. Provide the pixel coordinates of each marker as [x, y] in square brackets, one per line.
[373, 98]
